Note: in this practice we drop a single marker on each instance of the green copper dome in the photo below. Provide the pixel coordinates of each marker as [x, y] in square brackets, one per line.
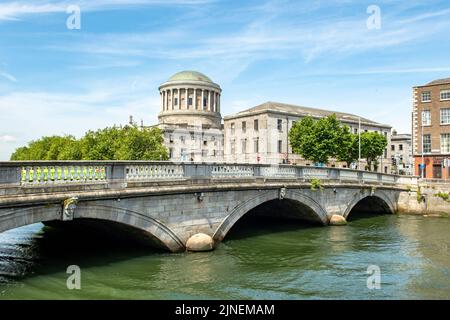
[189, 76]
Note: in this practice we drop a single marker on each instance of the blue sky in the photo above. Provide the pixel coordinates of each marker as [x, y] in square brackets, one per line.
[316, 53]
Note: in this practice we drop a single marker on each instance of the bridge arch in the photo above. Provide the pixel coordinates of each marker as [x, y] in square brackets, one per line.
[23, 216]
[293, 198]
[164, 236]
[161, 235]
[377, 201]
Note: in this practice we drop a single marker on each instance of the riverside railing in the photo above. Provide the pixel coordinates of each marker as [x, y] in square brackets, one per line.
[46, 173]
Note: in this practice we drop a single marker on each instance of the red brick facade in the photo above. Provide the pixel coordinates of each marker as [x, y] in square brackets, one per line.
[431, 102]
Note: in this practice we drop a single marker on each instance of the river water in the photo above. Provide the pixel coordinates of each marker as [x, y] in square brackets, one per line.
[258, 260]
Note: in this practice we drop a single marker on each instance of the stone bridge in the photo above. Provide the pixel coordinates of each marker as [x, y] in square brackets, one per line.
[169, 203]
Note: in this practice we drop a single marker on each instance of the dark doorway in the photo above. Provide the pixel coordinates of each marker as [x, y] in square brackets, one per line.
[437, 171]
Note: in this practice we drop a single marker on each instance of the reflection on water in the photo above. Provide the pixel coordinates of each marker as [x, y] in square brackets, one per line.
[259, 259]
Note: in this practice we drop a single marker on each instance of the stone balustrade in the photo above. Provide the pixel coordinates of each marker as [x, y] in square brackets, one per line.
[232, 171]
[36, 173]
[153, 171]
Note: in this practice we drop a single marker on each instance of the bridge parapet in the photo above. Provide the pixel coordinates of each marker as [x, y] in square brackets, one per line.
[48, 173]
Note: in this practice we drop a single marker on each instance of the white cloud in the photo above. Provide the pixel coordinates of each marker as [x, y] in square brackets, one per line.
[12, 11]
[8, 76]
[265, 37]
[7, 138]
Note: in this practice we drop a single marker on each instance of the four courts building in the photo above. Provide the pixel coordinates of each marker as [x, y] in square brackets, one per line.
[194, 129]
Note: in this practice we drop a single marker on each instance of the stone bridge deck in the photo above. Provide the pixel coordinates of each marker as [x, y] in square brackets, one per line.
[170, 203]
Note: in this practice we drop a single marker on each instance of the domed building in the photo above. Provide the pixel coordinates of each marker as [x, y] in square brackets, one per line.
[190, 117]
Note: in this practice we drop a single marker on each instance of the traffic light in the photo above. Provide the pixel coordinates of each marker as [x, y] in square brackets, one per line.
[394, 161]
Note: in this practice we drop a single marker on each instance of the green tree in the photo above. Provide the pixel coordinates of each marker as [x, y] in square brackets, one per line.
[318, 140]
[300, 137]
[114, 143]
[101, 144]
[45, 148]
[373, 145]
[142, 144]
[349, 147]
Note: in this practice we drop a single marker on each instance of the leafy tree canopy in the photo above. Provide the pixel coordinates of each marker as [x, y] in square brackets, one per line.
[318, 140]
[113, 143]
[373, 145]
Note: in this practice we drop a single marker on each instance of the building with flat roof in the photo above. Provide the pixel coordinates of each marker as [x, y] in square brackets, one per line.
[401, 153]
[431, 129]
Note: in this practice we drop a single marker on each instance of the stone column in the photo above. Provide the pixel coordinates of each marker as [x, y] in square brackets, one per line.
[208, 107]
[179, 99]
[218, 102]
[194, 105]
[215, 102]
[165, 99]
[171, 99]
[203, 98]
[186, 96]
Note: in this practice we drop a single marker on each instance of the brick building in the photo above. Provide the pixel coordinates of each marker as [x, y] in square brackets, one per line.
[431, 129]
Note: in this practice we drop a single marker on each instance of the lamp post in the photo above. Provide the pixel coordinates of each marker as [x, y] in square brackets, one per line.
[423, 162]
[359, 143]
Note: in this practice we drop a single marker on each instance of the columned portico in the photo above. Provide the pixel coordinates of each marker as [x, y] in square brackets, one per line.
[180, 119]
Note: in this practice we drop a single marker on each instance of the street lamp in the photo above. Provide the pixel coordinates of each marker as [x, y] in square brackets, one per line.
[423, 162]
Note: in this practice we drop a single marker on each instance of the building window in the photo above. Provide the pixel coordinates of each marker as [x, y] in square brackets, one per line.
[171, 138]
[204, 103]
[244, 145]
[176, 101]
[445, 143]
[244, 126]
[280, 125]
[355, 130]
[392, 147]
[256, 125]
[170, 153]
[182, 139]
[385, 153]
[280, 146]
[445, 116]
[426, 143]
[426, 96]
[233, 147]
[445, 95]
[426, 118]
[400, 147]
[232, 128]
[256, 145]
[205, 142]
[190, 101]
